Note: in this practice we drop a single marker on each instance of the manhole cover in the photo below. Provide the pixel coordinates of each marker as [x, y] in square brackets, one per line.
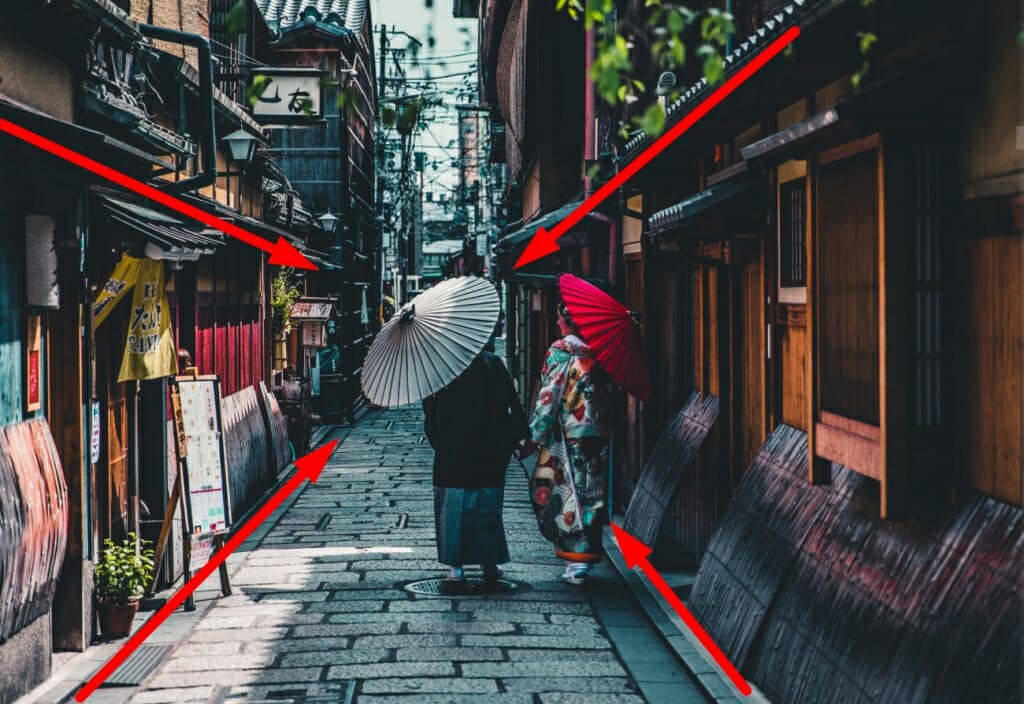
[320, 693]
[471, 586]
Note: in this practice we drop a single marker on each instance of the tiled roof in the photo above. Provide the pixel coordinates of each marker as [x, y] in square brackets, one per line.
[282, 14]
[785, 18]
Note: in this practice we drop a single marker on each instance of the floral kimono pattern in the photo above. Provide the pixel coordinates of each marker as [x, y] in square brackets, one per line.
[568, 488]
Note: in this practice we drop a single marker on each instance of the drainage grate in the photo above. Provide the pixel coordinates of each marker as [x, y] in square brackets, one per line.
[138, 666]
[472, 586]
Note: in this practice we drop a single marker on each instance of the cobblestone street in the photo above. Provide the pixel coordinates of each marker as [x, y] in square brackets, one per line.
[319, 612]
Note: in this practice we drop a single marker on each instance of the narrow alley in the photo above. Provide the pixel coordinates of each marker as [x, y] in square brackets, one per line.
[319, 612]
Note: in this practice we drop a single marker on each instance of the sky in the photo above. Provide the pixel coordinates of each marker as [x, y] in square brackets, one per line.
[449, 47]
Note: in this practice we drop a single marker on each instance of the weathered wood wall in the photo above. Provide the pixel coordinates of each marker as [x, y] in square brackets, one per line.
[994, 349]
[815, 599]
[33, 523]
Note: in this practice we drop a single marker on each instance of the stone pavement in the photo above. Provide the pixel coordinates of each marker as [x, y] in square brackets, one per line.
[319, 613]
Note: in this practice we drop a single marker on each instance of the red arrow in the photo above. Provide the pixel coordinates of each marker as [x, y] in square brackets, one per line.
[635, 554]
[545, 242]
[282, 253]
[309, 467]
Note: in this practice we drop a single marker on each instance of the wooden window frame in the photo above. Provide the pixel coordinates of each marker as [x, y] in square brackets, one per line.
[787, 173]
[876, 452]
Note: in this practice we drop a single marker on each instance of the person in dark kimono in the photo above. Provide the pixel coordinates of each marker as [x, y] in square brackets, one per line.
[473, 425]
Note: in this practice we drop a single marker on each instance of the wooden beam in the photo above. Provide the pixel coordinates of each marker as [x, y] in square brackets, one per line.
[819, 470]
[858, 453]
[893, 326]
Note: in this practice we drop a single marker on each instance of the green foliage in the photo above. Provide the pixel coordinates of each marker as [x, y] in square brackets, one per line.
[284, 293]
[867, 41]
[667, 24]
[387, 116]
[123, 571]
[256, 88]
[348, 95]
[236, 19]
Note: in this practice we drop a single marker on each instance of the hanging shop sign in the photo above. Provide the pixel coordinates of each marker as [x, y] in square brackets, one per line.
[291, 96]
[149, 351]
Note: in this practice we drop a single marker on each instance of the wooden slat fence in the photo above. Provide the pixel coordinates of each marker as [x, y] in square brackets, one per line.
[816, 599]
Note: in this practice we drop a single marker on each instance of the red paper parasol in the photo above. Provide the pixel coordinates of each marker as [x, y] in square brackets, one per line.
[611, 331]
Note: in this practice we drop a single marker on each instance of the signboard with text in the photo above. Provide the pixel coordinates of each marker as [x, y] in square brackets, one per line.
[289, 96]
[200, 448]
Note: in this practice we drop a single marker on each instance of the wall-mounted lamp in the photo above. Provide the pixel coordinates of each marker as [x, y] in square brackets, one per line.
[329, 222]
[242, 144]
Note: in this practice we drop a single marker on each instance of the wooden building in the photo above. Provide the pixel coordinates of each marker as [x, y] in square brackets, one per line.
[331, 163]
[139, 98]
[830, 271]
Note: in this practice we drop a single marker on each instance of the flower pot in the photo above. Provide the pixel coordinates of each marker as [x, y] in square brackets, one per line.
[280, 352]
[116, 619]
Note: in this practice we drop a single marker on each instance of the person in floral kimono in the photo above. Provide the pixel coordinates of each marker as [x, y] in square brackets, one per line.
[569, 487]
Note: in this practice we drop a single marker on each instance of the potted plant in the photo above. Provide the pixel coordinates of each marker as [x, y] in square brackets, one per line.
[122, 575]
[284, 292]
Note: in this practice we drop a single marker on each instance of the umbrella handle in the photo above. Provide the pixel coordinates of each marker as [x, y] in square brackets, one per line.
[408, 315]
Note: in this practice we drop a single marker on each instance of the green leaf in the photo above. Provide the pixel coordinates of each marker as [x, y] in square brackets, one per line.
[236, 19]
[652, 121]
[675, 22]
[257, 88]
[867, 40]
[387, 116]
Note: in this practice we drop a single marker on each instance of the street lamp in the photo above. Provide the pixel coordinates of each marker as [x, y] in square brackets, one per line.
[242, 144]
[328, 222]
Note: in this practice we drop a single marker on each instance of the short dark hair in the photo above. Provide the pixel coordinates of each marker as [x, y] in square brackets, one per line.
[563, 310]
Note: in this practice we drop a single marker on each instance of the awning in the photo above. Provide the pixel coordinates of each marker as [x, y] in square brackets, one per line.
[167, 238]
[81, 139]
[233, 216]
[790, 137]
[680, 214]
[523, 234]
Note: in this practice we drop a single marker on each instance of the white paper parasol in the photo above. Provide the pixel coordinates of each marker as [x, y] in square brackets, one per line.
[430, 341]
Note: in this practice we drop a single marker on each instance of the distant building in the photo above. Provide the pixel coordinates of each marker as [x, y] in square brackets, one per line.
[436, 255]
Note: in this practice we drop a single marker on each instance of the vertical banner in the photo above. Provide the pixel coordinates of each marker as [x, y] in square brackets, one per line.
[33, 364]
[120, 282]
[149, 352]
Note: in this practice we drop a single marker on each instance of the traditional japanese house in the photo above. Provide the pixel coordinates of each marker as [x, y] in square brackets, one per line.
[139, 98]
[330, 161]
[829, 267]
[818, 261]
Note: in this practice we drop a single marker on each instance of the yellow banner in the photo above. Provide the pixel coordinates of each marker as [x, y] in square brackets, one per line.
[149, 352]
[121, 281]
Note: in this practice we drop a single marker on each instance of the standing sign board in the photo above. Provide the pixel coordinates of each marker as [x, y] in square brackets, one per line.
[201, 449]
[202, 488]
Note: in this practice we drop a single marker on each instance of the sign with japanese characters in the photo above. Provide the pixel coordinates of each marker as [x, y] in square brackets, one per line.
[149, 351]
[288, 95]
[200, 448]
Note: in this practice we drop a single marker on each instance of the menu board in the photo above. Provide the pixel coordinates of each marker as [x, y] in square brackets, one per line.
[201, 450]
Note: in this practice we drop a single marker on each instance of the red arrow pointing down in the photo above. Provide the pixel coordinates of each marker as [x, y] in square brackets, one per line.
[636, 554]
[308, 468]
[282, 253]
[545, 242]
